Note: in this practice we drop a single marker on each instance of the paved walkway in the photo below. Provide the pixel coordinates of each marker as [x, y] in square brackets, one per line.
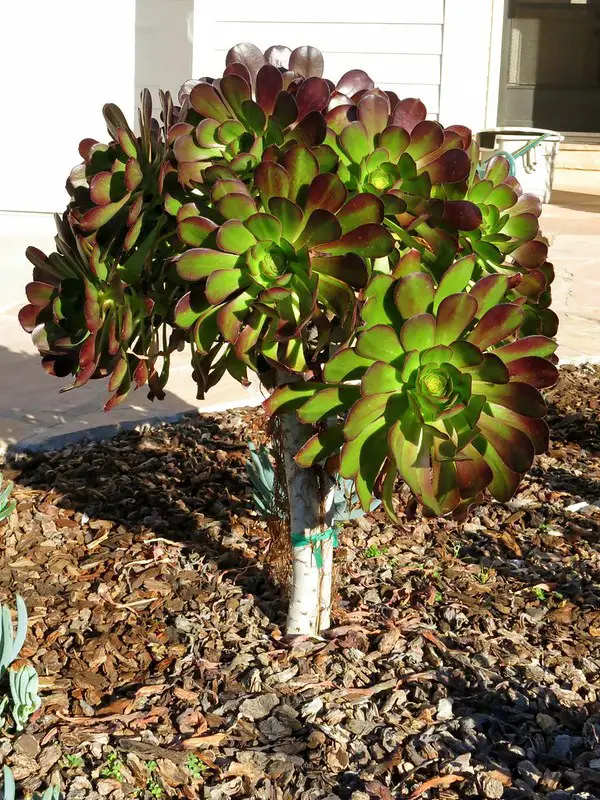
[33, 414]
[572, 224]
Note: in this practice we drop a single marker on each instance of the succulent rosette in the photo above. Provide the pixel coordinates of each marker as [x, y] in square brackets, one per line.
[120, 190]
[88, 321]
[261, 103]
[296, 254]
[388, 147]
[436, 390]
[509, 240]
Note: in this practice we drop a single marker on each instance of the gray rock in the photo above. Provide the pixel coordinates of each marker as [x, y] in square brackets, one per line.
[529, 772]
[490, 787]
[259, 707]
[562, 747]
[272, 728]
[547, 723]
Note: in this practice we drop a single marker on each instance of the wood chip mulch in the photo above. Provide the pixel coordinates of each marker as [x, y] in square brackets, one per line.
[464, 661]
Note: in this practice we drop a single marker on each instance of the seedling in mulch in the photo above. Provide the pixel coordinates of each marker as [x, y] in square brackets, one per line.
[195, 766]
[153, 787]
[484, 575]
[456, 548]
[540, 594]
[113, 768]
[438, 597]
[374, 551]
[73, 760]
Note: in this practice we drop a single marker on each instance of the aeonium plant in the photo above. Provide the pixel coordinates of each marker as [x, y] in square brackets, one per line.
[392, 296]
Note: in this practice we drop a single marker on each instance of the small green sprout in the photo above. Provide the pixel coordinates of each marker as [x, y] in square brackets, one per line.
[195, 766]
[113, 768]
[374, 551]
[74, 760]
[153, 787]
[484, 575]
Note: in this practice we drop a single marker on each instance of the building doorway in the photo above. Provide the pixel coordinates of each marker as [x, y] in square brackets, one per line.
[551, 66]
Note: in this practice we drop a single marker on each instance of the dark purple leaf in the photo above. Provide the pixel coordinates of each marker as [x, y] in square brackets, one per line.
[271, 180]
[307, 61]
[268, 85]
[360, 210]
[312, 95]
[321, 227]
[369, 241]
[247, 54]
[408, 113]
[425, 138]
[462, 214]
[278, 55]
[311, 130]
[235, 90]
[350, 268]
[286, 110]
[206, 101]
[354, 81]
[451, 167]
[373, 112]
[326, 191]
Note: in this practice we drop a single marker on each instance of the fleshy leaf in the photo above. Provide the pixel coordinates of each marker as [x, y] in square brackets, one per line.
[495, 325]
[414, 294]
[327, 403]
[379, 343]
[199, 262]
[418, 332]
[320, 446]
[369, 241]
[362, 209]
[307, 61]
[454, 315]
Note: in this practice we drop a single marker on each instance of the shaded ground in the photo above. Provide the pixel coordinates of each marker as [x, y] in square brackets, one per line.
[465, 661]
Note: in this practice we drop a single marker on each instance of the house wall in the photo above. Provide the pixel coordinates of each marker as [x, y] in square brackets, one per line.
[59, 63]
[398, 43]
[163, 46]
[471, 62]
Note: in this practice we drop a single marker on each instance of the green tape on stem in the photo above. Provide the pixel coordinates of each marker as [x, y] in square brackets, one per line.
[315, 540]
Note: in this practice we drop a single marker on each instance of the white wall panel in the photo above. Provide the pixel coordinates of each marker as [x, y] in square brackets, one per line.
[59, 63]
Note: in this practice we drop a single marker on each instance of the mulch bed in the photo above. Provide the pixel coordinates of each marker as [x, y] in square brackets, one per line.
[464, 661]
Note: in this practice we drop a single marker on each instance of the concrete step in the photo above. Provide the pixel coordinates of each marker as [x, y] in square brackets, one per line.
[577, 180]
[573, 156]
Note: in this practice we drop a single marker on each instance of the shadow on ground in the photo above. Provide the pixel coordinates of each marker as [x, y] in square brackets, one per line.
[576, 201]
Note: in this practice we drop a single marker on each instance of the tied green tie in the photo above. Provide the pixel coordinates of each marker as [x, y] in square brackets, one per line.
[300, 540]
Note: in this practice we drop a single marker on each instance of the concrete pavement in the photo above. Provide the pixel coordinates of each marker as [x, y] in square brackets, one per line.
[572, 224]
[33, 414]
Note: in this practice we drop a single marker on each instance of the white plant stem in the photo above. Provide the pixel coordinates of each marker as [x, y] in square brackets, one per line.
[310, 496]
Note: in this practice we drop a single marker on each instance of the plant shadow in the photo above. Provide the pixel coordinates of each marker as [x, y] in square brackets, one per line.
[186, 483]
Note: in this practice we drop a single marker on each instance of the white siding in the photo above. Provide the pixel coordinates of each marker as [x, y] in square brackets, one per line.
[399, 44]
[59, 63]
[163, 45]
[471, 66]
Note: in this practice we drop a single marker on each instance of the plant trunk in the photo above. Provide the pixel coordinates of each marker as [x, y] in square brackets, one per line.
[310, 496]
